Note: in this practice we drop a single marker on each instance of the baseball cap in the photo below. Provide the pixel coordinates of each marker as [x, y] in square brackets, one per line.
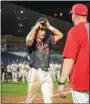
[80, 9]
[43, 24]
[41, 19]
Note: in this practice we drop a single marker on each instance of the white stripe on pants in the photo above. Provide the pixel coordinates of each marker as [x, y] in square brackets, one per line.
[37, 79]
[80, 97]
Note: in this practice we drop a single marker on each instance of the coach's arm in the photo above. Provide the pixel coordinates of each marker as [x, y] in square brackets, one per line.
[67, 66]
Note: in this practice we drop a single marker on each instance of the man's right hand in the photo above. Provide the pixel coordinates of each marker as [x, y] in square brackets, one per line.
[31, 35]
[39, 24]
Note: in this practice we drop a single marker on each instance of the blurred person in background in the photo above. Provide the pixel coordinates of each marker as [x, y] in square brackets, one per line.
[20, 70]
[26, 69]
[58, 70]
[9, 71]
[2, 71]
[14, 69]
[53, 71]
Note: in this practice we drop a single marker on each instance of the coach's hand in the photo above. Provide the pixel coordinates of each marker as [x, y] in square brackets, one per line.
[61, 90]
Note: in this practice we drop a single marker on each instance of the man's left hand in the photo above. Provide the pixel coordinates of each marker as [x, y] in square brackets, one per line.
[61, 90]
[47, 24]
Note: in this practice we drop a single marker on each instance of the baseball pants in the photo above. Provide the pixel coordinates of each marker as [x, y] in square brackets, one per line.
[3, 76]
[80, 97]
[20, 73]
[54, 75]
[24, 75]
[39, 79]
[14, 76]
[58, 74]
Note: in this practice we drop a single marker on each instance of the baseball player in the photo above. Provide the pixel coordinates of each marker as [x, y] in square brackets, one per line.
[39, 49]
[20, 72]
[25, 72]
[14, 71]
[53, 71]
[9, 71]
[58, 71]
[2, 71]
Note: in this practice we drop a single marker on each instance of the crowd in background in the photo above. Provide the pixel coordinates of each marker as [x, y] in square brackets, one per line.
[15, 71]
[18, 71]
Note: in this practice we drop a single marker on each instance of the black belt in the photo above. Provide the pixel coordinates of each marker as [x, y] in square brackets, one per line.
[43, 69]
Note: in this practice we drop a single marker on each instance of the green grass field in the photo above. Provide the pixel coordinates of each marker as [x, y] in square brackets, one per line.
[13, 89]
[20, 89]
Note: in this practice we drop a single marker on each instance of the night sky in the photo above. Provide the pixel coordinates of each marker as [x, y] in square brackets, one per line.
[17, 17]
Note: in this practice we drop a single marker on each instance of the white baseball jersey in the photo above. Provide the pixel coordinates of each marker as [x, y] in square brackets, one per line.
[9, 68]
[14, 67]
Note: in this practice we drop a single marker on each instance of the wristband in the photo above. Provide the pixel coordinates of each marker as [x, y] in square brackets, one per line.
[60, 83]
[51, 28]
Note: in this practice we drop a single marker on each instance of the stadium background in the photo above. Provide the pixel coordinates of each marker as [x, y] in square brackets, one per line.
[17, 19]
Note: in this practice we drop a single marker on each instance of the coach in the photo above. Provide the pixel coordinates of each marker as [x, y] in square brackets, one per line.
[76, 56]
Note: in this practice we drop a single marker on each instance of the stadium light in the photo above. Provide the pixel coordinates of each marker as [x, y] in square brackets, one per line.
[21, 11]
[55, 15]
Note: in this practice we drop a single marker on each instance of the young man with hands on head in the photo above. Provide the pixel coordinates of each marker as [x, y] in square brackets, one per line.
[39, 49]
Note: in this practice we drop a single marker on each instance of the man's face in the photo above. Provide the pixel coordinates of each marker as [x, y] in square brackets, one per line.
[72, 17]
[41, 34]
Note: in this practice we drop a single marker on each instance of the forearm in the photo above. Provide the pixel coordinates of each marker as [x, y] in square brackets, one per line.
[67, 66]
[31, 35]
[57, 34]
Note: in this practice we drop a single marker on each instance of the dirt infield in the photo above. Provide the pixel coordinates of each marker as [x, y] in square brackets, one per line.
[21, 99]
